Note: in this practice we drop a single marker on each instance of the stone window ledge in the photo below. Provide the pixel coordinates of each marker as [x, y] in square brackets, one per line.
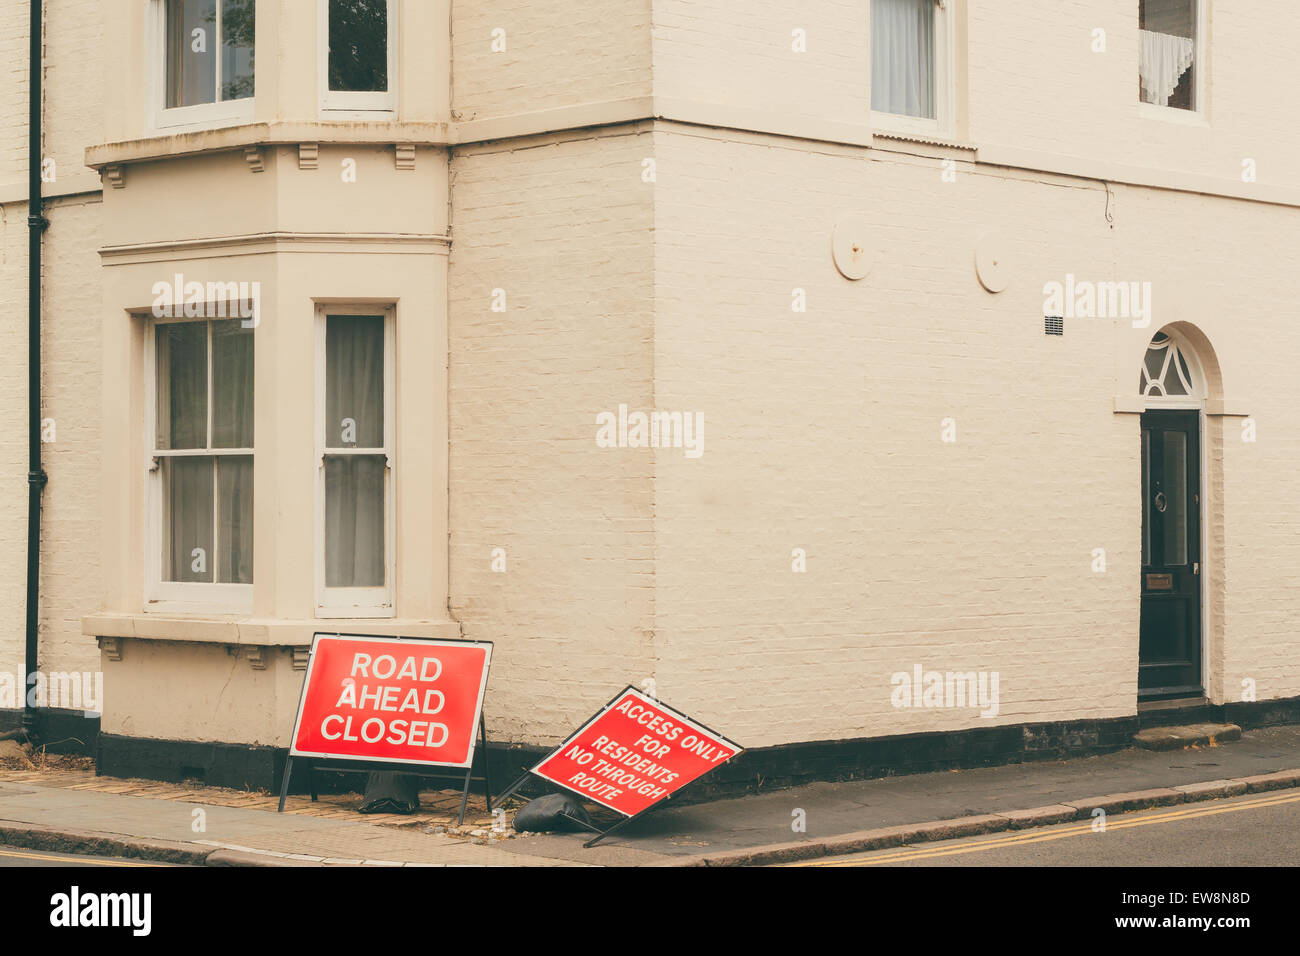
[247, 631]
[225, 138]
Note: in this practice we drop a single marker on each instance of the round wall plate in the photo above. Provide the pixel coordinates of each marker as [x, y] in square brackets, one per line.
[991, 262]
[849, 248]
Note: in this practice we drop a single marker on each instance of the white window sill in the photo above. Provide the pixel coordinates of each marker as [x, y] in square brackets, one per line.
[357, 116]
[1171, 114]
[915, 127]
[240, 629]
[376, 112]
[327, 613]
[188, 119]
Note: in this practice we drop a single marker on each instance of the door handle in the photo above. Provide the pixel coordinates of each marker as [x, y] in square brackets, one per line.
[1196, 567]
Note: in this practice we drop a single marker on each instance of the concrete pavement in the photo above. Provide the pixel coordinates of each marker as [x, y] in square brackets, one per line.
[62, 811]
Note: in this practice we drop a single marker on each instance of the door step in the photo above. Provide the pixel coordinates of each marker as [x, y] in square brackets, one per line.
[1178, 711]
[1186, 735]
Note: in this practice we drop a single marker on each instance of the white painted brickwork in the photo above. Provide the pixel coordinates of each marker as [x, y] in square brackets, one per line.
[13, 92]
[824, 434]
[1035, 83]
[569, 243]
[557, 54]
[744, 55]
[70, 583]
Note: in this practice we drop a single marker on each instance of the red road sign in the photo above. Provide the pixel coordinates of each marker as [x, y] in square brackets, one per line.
[396, 700]
[635, 753]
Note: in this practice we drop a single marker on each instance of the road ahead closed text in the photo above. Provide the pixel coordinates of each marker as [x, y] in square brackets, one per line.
[634, 754]
[382, 699]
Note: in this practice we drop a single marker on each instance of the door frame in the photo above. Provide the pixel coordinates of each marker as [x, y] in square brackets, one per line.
[1196, 404]
[1202, 531]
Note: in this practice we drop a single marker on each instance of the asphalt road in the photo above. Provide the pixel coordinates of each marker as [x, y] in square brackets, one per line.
[1255, 830]
[13, 856]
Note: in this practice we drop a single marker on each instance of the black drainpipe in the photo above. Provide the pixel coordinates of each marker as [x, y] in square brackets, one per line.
[36, 224]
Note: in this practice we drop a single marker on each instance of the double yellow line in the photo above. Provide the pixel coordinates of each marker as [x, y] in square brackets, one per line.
[1025, 837]
[52, 858]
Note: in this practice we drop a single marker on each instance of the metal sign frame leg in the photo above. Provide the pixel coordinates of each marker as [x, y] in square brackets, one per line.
[487, 783]
[487, 780]
[288, 775]
[509, 791]
[624, 822]
[284, 783]
[464, 797]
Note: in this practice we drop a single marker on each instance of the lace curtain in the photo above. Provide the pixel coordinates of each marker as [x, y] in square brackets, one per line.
[1163, 59]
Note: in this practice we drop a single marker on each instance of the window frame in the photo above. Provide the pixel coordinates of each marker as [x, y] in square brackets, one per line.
[357, 602]
[184, 596]
[1199, 115]
[1197, 389]
[346, 104]
[945, 90]
[200, 116]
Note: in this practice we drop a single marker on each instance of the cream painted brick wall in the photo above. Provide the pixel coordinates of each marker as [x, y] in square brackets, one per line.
[823, 433]
[72, 86]
[71, 395]
[1035, 83]
[742, 55]
[569, 241]
[13, 92]
[70, 584]
[13, 434]
[823, 429]
[74, 82]
[71, 333]
[1234, 273]
[557, 54]
[1032, 80]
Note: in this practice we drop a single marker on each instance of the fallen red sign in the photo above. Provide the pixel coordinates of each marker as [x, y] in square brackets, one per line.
[395, 700]
[635, 753]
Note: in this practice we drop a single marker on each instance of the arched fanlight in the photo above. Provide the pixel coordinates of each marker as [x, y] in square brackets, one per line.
[1166, 372]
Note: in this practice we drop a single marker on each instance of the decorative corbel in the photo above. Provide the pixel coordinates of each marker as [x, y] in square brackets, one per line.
[300, 657]
[115, 176]
[308, 155]
[253, 156]
[257, 657]
[111, 647]
[405, 155]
